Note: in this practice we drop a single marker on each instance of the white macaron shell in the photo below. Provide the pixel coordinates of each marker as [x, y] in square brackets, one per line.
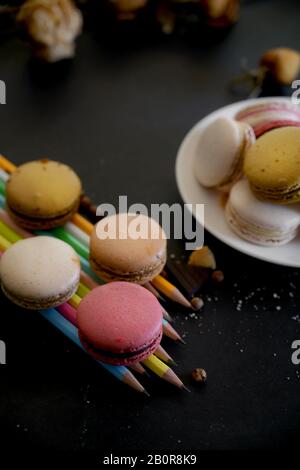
[218, 148]
[260, 213]
[39, 268]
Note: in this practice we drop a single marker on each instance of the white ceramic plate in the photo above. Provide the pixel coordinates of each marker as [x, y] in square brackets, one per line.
[214, 220]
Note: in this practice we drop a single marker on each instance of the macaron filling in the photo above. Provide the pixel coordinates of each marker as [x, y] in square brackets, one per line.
[129, 356]
[32, 221]
[34, 303]
[109, 273]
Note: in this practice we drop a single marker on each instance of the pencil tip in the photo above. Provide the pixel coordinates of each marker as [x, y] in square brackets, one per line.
[185, 388]
[146, 393]
[181, 341]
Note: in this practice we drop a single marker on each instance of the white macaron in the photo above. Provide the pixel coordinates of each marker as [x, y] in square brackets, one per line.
[259, 222]
[219, 152]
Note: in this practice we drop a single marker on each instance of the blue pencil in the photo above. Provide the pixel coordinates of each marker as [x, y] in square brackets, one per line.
[63, 325]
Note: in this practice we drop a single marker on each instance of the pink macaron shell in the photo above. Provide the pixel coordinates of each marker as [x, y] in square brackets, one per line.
[264, 127]
[260, 109]
[120, 318]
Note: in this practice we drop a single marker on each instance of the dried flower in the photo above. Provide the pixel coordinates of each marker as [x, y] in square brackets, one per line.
[166, 18]
[51, 26]
[127, 9]
[282, 64]
[199, 375]
[221, 13]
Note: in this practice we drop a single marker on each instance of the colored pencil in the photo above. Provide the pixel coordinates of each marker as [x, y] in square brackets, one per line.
[60, 233]
[120, 372]
[152, 289]
[162, 354]
[9, 234]
[168, 289]
[4, 243]
[74, 301]
[163, 371]
[82, 290]
[5, 217]
[4, 176]
[2, 201]
[88, 281]
[137, 367]
[82, 223]
[6, 165]
[77, 233]
[171, 332]
[2, 187]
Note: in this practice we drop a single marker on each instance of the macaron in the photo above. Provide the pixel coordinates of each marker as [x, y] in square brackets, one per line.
[259, 222]
[269, 115]
[219, 152]
[43, 194]
[39, 272]
[120, 323]
[272, 166]
[128, 247]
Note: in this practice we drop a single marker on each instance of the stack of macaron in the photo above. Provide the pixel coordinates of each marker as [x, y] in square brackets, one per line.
[263, 197]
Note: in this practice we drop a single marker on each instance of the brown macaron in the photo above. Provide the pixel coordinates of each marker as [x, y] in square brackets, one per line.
[128, 247]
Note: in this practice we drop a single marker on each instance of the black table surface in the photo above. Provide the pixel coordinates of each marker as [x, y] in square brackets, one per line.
[117, 114]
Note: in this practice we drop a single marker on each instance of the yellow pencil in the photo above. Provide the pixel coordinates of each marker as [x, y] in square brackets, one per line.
[83, 223]
[6, 165]
[74, 301]
[4, 243]
[166, 288]
[82, 290]
[163, 371]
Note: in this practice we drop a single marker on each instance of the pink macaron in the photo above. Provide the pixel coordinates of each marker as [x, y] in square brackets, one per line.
[120, 323]
[269, 115]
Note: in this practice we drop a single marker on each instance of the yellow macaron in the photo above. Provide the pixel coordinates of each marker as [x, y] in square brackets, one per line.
[43, 194]
[272, 166]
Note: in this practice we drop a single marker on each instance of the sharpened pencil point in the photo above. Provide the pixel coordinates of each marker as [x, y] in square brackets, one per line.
[181, 341]
[186, 389]
[146, 393]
